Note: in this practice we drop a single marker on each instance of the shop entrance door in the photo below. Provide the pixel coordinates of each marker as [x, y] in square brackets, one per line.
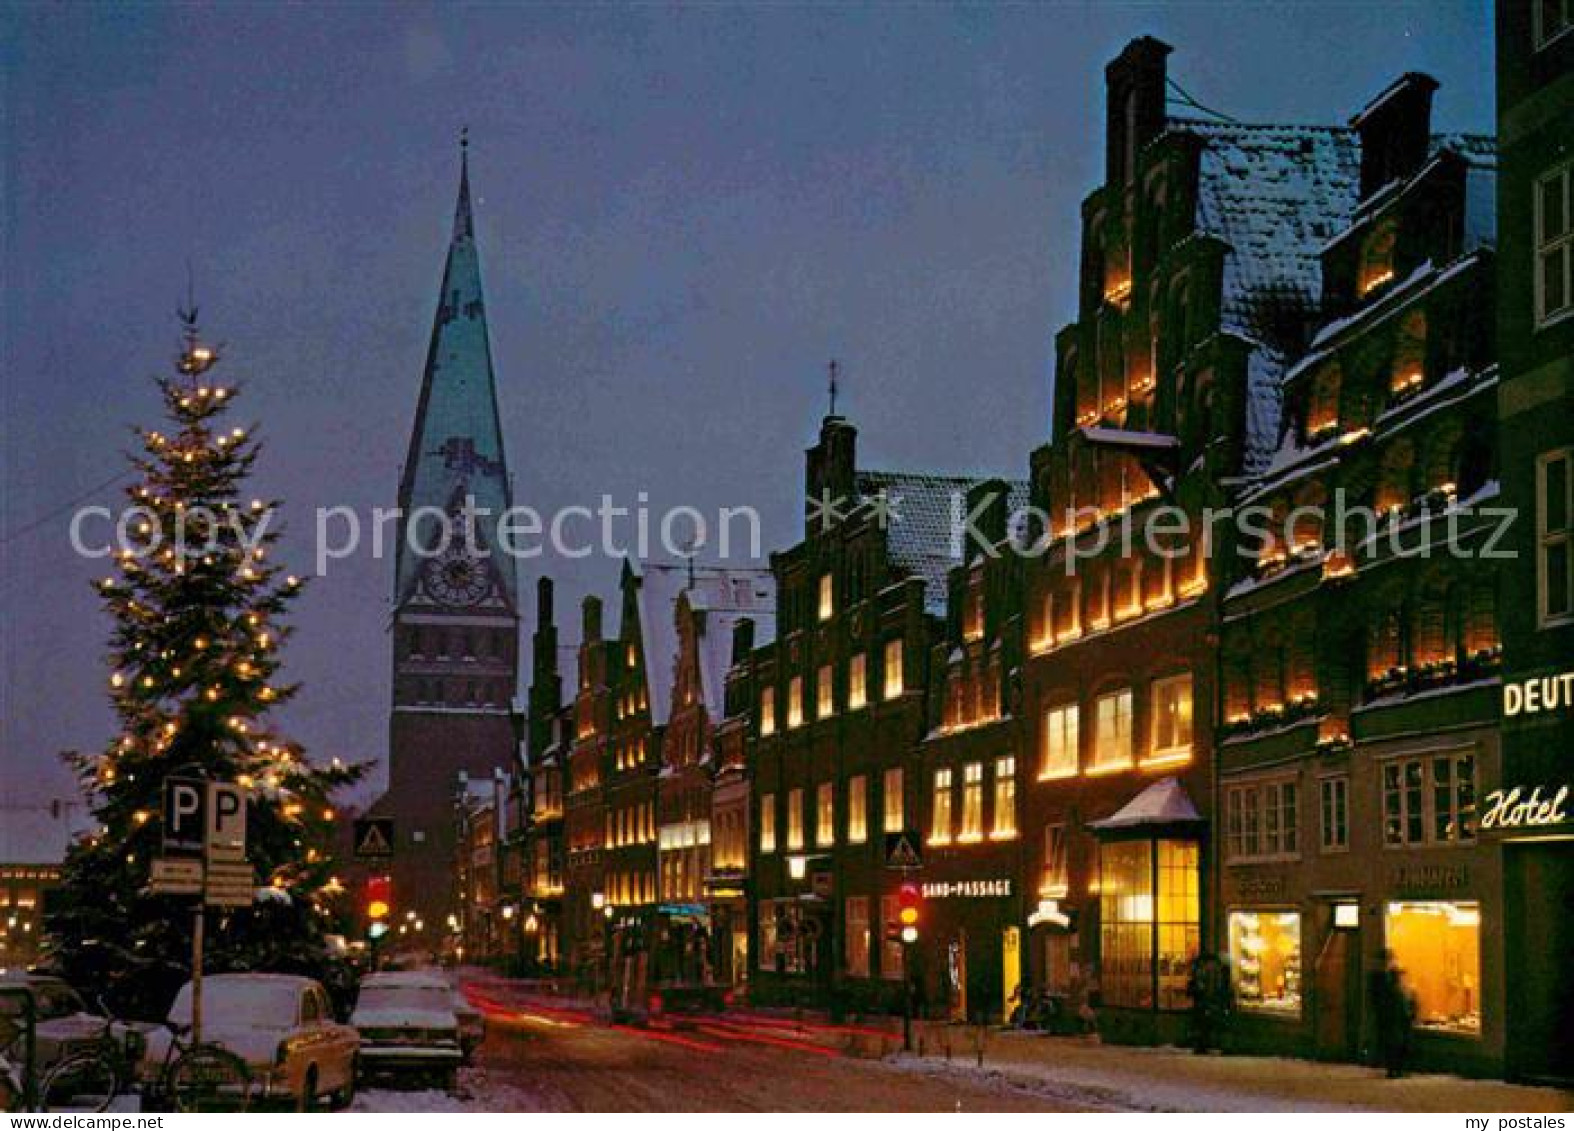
[1539, 937]
[1010, 968]
[1338, 1000]
[956, 974]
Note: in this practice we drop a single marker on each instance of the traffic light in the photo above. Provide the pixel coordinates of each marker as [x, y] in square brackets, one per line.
[379, 898]
[908, 901]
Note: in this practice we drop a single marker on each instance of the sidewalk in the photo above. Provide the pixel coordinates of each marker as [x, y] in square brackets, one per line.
[1170, 1079]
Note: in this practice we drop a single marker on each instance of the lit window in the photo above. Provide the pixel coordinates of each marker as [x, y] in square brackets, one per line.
[1060, 742]
[894, 811]
[1172, 718]
[767, 710]
[824, 697]
[857, 919]
[1437, 947]
[974, 607]
[891, 958]
[767, 822]
[893, 668]
[827, 597]
[940, 820]
[1555, 536]
[795, 702]
[857, 809]
[1335, 807]
[1265, 960]
[825, 816]
[1057, 875]
[1554, 246]
[794, 820]
[972, 801]
[857, 682]
[1005, 816]
[1112, 731]
[1429, 800]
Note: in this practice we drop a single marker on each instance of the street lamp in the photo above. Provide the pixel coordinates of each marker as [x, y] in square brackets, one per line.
[598, 900]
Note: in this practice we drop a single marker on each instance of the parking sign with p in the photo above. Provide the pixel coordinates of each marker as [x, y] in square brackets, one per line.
[185, 816]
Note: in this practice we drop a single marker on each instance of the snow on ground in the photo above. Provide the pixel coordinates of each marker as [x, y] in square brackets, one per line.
[476, 1093]
[1128, 1084]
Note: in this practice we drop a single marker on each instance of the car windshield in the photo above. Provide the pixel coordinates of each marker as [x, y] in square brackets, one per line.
[253, 1003]
[428, 998]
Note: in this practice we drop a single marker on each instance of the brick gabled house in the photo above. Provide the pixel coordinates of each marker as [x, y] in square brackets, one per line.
[840, 706]
[1199, 281]
[1360, 646]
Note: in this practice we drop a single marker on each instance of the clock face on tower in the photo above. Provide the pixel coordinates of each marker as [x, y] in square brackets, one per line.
[456, 577]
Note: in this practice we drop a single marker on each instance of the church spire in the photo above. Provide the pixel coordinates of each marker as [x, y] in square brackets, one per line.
[456, 446]
[464, 222]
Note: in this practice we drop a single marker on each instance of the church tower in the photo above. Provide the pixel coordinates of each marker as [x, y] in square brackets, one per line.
[456, 618]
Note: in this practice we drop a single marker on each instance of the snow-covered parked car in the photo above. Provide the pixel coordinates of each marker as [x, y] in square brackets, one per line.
[281, 1026]
[408, 1025]
[63, 1023]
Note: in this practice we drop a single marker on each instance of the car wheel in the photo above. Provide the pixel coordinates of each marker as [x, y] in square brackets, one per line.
[345, 1096]
[307, 1100]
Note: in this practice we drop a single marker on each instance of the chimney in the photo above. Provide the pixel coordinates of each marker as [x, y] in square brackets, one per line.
[832, 465]
[1134, 100]
[590, 620]
[742, 639]
[544, 644]
[1396, 131]
[989, 500]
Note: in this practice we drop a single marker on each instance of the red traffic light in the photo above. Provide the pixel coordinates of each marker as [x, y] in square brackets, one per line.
[379, 897]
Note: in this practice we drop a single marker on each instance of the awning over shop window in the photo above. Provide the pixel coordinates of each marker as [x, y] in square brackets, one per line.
[1165, 803]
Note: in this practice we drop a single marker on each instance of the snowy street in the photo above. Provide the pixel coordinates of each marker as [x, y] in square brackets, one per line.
[548, 1054]
[544, 1057]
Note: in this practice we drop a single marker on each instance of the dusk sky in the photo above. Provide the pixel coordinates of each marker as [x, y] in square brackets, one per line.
[682, 214]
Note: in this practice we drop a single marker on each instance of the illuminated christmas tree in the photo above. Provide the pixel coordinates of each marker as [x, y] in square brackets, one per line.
[197, 602]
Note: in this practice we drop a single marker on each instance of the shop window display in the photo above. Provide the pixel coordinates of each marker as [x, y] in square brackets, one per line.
[1437, 947]
[1149, 914]
[1265, 959]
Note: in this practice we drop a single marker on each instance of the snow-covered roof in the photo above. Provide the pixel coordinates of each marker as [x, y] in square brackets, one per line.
[41, 833]
[923, 527]
[727, 594]
[1276, 195]
[1165, 802]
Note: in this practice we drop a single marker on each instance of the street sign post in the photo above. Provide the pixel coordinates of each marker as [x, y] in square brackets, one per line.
[204, 855]
[374, 838]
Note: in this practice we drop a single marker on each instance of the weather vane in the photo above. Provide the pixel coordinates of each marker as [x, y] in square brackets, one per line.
[835, 370]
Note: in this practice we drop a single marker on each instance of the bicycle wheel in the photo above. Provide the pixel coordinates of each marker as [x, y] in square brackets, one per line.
[84, 1081]
[209, 1078]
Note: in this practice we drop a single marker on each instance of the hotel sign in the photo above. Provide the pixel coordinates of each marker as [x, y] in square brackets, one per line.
[1517, 809]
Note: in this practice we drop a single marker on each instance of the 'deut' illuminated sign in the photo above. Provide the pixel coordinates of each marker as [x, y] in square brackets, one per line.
[1514, 809]
[1537, 694]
